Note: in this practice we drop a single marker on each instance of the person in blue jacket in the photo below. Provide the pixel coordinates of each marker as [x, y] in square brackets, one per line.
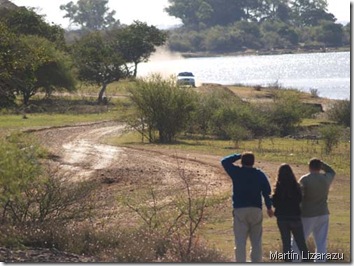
[249, 185]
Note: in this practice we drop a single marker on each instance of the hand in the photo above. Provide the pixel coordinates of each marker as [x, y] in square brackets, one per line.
[270, 213]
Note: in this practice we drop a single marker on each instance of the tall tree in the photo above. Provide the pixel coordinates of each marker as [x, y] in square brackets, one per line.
[137, 42]
[98, 61]
[310, 12]
[27, 22]
[90, 14]
[8, 63]
[41, 65]
[207, 12]
[31, 55]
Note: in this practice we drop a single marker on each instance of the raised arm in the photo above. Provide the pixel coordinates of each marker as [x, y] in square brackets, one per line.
[227, 162]
[329, 172]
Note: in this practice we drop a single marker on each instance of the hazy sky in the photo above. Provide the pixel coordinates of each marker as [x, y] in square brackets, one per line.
[149, 11]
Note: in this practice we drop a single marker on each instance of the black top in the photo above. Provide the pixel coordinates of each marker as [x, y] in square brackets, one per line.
[287, 205]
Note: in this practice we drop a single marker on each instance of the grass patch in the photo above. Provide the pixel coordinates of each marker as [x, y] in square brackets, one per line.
[117, 88]
[16, 122]
[296, 151]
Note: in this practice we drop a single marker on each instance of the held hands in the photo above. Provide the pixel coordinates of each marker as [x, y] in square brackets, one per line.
[270, 213]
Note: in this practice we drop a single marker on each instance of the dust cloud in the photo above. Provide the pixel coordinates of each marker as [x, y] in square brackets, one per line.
[163, 62]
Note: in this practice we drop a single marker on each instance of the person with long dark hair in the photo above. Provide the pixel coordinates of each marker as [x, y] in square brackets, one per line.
[286, 201]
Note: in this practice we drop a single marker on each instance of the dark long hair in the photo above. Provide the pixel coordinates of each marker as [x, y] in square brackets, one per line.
[286, 185]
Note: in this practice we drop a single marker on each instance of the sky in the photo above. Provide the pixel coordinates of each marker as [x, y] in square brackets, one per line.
[149, 11]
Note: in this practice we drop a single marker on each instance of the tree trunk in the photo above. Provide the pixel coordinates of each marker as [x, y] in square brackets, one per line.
[26, 97]
[102, 93]
[135, 69]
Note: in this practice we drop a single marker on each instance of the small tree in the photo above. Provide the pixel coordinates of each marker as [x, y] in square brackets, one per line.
[90, 14]
[287, 111]
[99, 61]
[41, 66]
[162, 106]
[137, 42]
[331, 137]
[340, 112]
[237, 133]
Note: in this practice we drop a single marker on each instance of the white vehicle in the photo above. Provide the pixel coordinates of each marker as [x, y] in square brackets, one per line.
[186, 79]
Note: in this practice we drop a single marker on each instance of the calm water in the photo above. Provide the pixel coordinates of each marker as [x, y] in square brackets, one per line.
[329, 73]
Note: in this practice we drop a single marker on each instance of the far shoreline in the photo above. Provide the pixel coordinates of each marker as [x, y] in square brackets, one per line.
[252, 52]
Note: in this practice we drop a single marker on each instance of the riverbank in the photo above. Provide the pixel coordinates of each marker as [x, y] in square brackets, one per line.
[249, 52]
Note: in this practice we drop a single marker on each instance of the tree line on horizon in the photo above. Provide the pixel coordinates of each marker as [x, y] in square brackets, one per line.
[221, 26]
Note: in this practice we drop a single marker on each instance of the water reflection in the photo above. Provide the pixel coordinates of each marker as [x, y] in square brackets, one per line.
[329, 73]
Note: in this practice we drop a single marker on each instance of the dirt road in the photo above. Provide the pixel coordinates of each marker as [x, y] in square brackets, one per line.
[80, 151]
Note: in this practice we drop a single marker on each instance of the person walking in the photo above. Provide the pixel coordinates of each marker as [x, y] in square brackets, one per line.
[249, 185]
[286, 201]
[314, 207]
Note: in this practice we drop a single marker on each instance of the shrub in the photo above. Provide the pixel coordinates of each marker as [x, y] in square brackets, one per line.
[161, 106]
[287, 111]
[331, 137]
[340, 112]
[36, 203]
[170, 221]
[314, 93]
[19, 167]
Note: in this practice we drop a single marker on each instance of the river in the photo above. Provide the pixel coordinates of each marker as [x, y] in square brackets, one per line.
[328, 73]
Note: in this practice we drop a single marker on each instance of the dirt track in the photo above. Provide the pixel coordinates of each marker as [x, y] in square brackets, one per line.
[79, 150]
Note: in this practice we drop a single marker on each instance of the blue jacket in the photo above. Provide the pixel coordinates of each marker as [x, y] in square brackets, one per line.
[249, 184]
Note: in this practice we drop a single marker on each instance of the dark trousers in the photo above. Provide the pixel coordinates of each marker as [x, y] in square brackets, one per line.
[294, 227]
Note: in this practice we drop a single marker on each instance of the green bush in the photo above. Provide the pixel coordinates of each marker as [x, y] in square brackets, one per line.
[287, 111]
[161, 106]
[331, 136]
[340, 112]
[36, 203]
[19, 168]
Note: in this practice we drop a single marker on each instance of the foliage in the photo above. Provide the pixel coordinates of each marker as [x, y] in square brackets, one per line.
[222, 114]
[27, 22]
[340, 112]
[41, 66]
[90, 14]
[206, 12]
[20, 167]
[33, 194]
[287, 111]
[254, 25]
[32, 56]
[8, 63]
[277, 34]
[331, 137]
[137, 42]
[330, 33]
[171, 216]
[99, 61]
[162, 106]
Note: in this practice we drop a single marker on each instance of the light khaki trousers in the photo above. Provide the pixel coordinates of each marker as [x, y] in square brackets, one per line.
[248, 223]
